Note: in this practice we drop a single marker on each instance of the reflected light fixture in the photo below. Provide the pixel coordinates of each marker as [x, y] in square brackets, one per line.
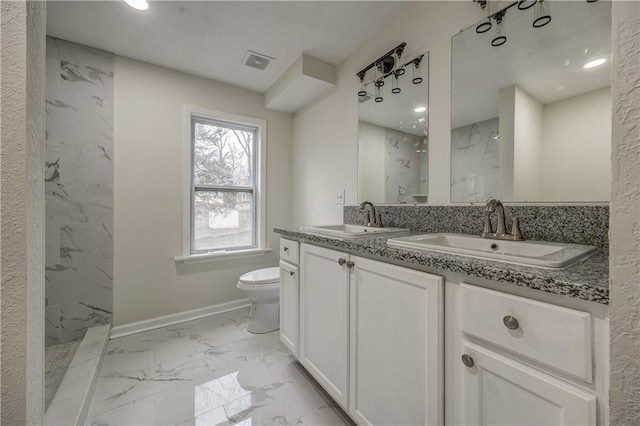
[138, 4]
[420, 109]
[526, 4]
[541, 14]
[594, 63]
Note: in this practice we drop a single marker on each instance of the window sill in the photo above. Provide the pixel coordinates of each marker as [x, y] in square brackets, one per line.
[221, 255]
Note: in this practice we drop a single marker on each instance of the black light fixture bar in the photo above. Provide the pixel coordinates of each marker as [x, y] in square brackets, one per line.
[398, 49]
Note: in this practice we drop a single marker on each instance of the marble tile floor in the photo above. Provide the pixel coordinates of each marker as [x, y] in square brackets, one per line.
[207, 372]
[56, 362]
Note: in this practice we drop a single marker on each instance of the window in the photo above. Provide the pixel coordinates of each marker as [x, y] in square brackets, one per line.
[226, 199]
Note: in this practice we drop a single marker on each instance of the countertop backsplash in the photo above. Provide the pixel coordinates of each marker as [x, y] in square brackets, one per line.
[569, 224]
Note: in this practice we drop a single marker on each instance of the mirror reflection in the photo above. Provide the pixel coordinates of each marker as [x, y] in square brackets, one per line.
[531, 117]
[393, 138]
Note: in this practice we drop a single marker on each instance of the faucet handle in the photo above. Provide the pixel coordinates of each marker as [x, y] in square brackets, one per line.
[516, 234]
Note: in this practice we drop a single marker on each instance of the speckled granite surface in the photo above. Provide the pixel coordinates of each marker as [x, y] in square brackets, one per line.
[587, 280]
[564, 224]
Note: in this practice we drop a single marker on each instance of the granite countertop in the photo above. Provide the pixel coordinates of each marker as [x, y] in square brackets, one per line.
[587, 279]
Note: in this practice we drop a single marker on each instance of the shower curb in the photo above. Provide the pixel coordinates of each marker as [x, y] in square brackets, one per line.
[70, 404]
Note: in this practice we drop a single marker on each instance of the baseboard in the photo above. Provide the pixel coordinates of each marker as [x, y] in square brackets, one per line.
[159, 322]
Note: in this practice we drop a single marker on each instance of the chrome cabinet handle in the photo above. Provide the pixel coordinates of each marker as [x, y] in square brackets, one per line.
[286, 249]
[342, 261]
[468, 361]
[350, 264]
[510, 322]
[292, 273]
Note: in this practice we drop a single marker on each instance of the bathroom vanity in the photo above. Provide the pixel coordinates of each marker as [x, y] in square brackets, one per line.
[419, 337]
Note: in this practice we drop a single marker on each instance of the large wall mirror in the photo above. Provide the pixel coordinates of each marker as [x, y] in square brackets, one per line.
[531, 118]
[393, 138]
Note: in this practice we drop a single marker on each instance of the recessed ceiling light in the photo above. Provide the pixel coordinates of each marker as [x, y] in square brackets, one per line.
[138, 4]
[420, 109]
[594, 63]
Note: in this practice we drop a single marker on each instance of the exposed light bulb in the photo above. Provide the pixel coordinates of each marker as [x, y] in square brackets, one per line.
[594, 63]
[420, 109]
[138, 4]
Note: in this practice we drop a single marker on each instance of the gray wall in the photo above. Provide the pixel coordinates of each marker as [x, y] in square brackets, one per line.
[625, 217]
[79, 190]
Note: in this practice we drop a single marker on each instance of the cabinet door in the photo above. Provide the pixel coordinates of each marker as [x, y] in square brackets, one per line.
[396, 347]
[289, 306]
[324, 326]
[501, 391]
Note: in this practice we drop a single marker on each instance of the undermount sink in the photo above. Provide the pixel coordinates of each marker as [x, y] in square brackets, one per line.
[529, 253]
[352, 231]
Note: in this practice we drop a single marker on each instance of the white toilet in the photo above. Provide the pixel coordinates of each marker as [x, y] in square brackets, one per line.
[262, 288]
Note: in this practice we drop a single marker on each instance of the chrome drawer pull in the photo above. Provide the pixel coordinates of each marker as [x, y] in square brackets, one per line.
[292, 273]
[286, 249]
[468, 361]
[350, 264]
[342, 261]
[510, 322]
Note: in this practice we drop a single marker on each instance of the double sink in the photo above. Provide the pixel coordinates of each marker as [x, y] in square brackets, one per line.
[528, 253]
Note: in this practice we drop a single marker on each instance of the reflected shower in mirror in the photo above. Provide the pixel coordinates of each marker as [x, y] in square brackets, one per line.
[531, 117]
[393, 137]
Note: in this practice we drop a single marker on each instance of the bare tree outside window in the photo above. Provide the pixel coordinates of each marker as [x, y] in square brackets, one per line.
[223, 182]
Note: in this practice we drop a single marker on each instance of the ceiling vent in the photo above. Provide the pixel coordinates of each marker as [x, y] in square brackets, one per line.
[257, 60]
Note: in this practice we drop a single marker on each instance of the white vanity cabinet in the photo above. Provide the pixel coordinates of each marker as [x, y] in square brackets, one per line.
[499, 390]
[324, 319]
[396, 346]
[289, 295]
[521, 361]
[371, 334]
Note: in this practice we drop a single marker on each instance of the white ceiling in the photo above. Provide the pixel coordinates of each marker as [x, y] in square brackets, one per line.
[546, 62]
[211, 38]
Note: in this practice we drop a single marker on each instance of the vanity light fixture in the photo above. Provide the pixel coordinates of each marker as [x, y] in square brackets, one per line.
[485, 23]
[594, 63]
[417, 73]
[388, 65]
[500, 38]
[395, 83]
[363, 87]
[541, 14]
[378, 97]
[138, 4]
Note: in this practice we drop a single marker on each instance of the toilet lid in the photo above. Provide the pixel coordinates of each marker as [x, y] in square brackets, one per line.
[261, 276]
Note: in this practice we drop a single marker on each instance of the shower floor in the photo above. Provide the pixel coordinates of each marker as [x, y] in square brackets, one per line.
[56, 361]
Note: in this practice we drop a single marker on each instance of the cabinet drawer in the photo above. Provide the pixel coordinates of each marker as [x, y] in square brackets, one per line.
[289, 251]
[557, 337]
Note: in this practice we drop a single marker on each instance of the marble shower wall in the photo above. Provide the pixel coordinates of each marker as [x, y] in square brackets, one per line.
[405, 166]
[79, 190]
[475, 162]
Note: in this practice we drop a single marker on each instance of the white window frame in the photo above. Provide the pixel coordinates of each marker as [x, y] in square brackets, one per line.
[260, 186]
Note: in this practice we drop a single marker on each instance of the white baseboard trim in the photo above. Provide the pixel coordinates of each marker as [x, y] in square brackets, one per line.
[159, 322]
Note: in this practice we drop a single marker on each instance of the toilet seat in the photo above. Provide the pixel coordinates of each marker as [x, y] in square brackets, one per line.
[263, 277]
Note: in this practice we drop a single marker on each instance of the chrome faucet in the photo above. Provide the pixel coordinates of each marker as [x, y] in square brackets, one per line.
[491, 207]
[373, 217]
[495, 206]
